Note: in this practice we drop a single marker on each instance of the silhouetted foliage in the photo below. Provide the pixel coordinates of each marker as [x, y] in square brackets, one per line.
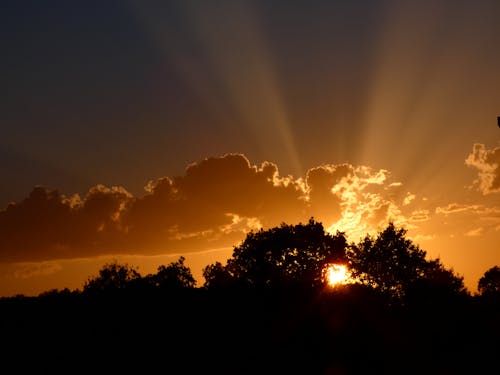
[395, 265]
[112, 277]
[438, 276]
[176, 275]
[58, 293]
[217, 276]
[489, 283]
[263, 322]
[283, 255]
[438, 286]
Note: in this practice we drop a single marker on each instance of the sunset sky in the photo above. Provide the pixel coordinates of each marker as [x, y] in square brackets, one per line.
[140, 131]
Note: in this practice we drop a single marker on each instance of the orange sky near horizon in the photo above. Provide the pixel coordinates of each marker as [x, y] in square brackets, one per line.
[140, 132]
[57, 241]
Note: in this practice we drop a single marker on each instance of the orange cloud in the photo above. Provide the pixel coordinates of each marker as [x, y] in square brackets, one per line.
[28, 270]
[320, 181]
[487, 162]
[453, 208]
[420, 215]
[203, 204]
[367, 202]
[466, 218]
[212, 205]
[48, 225]
[474, 232]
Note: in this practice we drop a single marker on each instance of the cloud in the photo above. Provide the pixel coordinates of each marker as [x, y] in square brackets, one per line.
[408, 199]
[213, 205]
[453, 208]
[321, 181]
[48, 225]
[487, 163]
[366, 202]
[28, 270]
[461, 216]
[474, 232]
[207, 199]
[423, 237]
[420, 215]
[482, 212]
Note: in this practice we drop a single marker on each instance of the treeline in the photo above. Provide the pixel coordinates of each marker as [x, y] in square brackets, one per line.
[296, 256]
[268, 309]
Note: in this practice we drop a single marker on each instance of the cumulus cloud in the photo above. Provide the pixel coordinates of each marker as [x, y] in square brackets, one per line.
[48, 225]
[365, 201]
[487, 162]
[320, 182]
[212, 205]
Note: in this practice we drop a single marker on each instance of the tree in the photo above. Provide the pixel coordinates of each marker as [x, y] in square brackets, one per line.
[489, 283]
[283, 255]
[393, 264]
[438, 285]
[58, 293]
[176, 275]
[217, 276]
[112, 277]
[444, 279]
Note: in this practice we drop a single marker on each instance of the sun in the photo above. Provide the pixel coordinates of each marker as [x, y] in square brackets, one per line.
[337, 274]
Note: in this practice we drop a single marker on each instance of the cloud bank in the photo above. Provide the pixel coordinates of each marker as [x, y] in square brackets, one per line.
[214, 204]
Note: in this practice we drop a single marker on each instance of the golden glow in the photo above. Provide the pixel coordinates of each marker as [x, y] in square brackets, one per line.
[337, 274]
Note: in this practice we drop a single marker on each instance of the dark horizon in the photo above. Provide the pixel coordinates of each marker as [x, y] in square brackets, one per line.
[268, 310]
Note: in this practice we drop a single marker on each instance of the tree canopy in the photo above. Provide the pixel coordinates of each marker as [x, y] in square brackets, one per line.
[112, 276]
[176, 275]
[393, 264]
[115, 276]
[283, 255]
[489, 283]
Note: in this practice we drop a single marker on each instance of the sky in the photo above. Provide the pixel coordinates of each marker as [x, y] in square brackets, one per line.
[140, 131]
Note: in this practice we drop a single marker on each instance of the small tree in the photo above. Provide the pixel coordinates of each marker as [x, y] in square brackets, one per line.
[390, 262]
[489, 283]
[438, 286]
[216, 275]
[176, 275]
[112, 277]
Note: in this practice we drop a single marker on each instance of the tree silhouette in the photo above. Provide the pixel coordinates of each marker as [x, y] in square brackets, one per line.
[217, 276]
[489, 283]
[283, 255]
[266, 328]
[112, 277]
[176, 275]
[438, 285]
[58, 293]
[393, 264]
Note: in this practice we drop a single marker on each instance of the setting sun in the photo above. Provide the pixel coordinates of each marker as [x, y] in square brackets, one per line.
[337, 274]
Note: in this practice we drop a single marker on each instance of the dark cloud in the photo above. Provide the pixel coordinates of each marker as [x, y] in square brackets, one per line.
[48, 225]
[212, 205]
[320, 180]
